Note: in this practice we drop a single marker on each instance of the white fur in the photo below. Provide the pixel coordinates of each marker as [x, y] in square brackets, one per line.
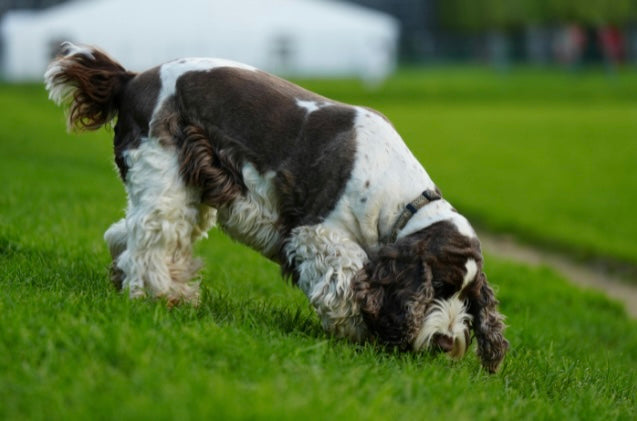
[449, 317]
[251, 219]
[386, 176]
[69, 49]
[116, 237]
[471, 268]
[312, 106]
[439, 210]
[326, 261]
[62, 93]
[163, 219]
[446, 317]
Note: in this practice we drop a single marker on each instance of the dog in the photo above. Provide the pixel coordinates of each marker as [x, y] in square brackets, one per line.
[329, 191]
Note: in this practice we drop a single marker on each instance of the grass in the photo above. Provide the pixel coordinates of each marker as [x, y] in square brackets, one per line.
[71, 347]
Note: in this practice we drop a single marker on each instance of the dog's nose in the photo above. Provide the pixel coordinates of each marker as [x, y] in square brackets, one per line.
[444, 342]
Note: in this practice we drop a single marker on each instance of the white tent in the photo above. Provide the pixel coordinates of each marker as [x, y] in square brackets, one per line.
[289, 37]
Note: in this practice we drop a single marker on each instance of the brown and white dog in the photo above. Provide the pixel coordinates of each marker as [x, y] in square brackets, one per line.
[327, 190]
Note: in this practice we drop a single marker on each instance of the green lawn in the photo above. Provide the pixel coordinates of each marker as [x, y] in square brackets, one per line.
[71, 347]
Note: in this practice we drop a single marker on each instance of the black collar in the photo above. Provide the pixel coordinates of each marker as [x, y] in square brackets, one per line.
[410, 210]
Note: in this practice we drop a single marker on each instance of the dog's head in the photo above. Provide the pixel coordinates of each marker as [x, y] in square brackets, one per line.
[428, 291]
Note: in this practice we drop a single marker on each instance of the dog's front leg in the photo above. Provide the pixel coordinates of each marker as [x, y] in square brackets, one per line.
[163, 219]
[325, 261]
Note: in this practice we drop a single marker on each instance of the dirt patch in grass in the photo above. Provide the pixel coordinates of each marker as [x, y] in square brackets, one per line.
[585, 274]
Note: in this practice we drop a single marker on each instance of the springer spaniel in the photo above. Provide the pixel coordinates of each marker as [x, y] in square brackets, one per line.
[327, 190]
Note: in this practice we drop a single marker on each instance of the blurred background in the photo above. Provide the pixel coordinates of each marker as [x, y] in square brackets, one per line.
[363, 38]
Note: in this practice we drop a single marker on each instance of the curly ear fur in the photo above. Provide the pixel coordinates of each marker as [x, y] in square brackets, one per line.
[393, 291]
[488, 325]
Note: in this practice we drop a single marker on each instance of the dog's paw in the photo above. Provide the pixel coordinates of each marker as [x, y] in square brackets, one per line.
[186, 293]
[117, 276]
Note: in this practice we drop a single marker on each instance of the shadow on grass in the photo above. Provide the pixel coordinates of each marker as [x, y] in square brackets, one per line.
[295, 320]
[226, 309]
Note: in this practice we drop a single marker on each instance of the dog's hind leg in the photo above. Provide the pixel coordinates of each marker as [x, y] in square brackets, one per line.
[163, 219]
[116, 237]
[324, 262]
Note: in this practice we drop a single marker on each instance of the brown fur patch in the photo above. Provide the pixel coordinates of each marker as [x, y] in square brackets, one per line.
[136, 107]
[254, 117]
[312, 179]
[254, 109]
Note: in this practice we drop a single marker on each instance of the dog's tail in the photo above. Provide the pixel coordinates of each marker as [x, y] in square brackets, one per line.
[88, 83]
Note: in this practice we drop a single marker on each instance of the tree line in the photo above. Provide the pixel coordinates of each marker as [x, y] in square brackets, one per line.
[476, 15]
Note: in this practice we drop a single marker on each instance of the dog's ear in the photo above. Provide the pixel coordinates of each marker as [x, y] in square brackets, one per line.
[392, 291]
[369, 297]
[369, 282]
[488, 325]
